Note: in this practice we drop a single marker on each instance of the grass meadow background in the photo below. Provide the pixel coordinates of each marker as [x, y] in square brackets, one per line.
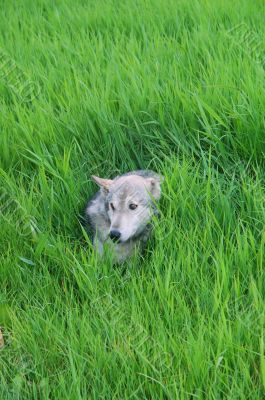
[119, 85]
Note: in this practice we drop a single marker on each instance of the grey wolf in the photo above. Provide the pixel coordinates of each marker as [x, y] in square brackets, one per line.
[120, 213]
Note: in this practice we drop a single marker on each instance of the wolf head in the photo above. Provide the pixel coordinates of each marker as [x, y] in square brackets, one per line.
[130, 203]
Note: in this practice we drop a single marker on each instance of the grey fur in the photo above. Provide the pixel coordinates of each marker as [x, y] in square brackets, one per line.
[141, 187]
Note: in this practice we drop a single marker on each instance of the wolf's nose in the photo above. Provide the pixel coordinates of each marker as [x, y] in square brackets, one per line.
[115, 235]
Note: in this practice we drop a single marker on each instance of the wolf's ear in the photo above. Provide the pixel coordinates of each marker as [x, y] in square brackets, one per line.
[104, 184]
[154, 186]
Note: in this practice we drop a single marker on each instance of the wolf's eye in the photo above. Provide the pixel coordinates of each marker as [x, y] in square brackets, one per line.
[112, 206]
[133, 206]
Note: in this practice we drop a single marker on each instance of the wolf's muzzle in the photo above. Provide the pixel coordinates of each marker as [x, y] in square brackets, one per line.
[115, 235]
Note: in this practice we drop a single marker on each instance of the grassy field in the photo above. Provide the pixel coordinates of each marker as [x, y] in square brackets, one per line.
[174, 86]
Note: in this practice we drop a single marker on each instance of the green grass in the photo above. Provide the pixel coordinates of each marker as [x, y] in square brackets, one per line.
[124, 85]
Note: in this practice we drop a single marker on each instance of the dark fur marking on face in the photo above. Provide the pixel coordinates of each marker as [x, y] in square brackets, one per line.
[106, 206]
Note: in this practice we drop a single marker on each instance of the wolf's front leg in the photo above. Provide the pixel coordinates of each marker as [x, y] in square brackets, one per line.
[98, 245]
